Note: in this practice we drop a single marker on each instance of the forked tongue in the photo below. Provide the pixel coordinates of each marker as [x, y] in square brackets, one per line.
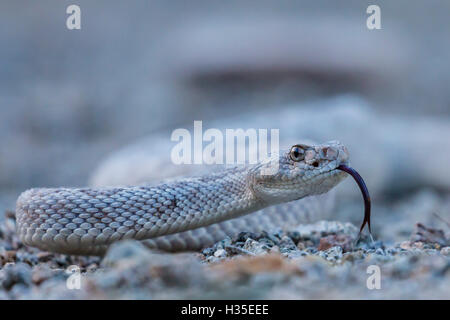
[365, 193]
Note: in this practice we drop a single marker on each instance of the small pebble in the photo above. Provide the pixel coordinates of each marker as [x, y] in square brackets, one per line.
[16, 273]
[445, 251]
[221, 253]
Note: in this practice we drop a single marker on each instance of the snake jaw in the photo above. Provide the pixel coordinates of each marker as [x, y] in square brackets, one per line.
[365, 193]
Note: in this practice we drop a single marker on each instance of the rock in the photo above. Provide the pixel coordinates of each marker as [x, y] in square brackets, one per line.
[353, 256]
[255, 247]
[287, 245]
[128, 250]
[221, 253]
[295, 236]
[129, 264]
[402, 267]
[445, 251]
[208, 252]
[222, 244]
[275, 249]
[333, 254]
[243, 236]
[44, 256]
[41, 273]
[92, 267]
[7, 256]
[405, 245]
[16, 273]
[342, 240]
[258, 264]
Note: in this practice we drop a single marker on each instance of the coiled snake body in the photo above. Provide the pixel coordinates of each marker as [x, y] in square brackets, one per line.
[188, 213]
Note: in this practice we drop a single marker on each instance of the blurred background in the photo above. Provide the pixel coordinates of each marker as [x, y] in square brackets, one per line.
[70, 97]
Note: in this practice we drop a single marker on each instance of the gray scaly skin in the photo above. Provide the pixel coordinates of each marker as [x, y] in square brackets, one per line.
[86, 221]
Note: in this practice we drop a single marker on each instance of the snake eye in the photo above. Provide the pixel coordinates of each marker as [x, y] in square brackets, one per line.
[297, 153]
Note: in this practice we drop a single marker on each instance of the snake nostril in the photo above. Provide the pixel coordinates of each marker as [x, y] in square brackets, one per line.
[329, 153]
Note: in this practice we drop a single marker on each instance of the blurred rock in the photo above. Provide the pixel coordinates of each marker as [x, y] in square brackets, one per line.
[343, 241]
[15, 274]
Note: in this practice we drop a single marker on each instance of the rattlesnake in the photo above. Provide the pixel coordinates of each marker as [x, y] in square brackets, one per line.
[186, 213]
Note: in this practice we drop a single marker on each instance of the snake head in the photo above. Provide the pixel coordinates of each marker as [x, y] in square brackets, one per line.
[298, 172]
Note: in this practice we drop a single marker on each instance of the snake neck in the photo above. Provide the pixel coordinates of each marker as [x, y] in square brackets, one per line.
[219, 196]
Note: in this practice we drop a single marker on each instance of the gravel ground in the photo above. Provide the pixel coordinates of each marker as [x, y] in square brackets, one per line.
[318, 261]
